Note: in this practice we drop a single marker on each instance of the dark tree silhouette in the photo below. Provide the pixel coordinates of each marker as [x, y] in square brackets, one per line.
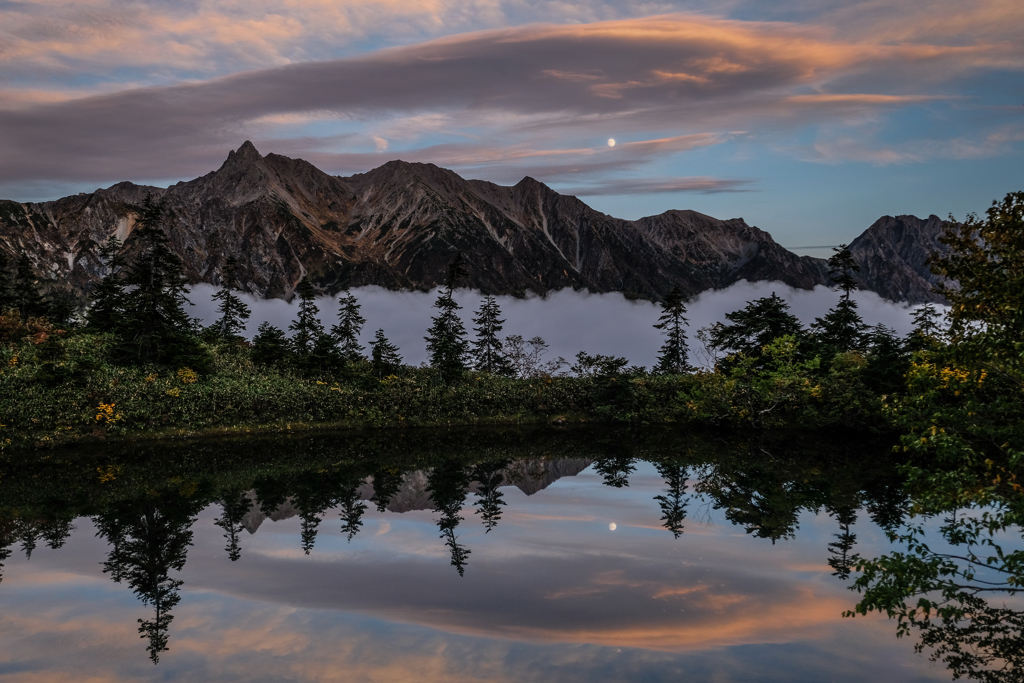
[270, 346]
[841, 268]
[490, 475]
[446, 338]
[350, 325]
[235, 505]
[840, 558]
[384, 356]
[153, 326]
[352, 507]
[755, 326]
[447, 484]
[386, 483]
[107, 299]
[673, 501]
[28, 300]
[233, 311]
[615, 469]
[306, 327]
[149, 540]
[672, 358]
[486, 351]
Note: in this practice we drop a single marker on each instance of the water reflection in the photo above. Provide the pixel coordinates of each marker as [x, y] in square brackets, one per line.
[144, 504]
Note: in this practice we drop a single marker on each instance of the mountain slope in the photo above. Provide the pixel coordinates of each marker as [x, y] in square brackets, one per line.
[399, 226]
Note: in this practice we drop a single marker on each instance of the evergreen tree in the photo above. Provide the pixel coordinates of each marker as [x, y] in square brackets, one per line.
[447, 485]
[306, 327]
[235, 506]
[384, 357]
[350, 325]
[154, 327]
[446, 338]
[6, 285]
[386, 483]
[756, 326]
[28, 300]
[352, 508]
[841, 329]
[487, 351]
[841, 268]
[270, 346]
[888, 361]
[926, 333]
[672, 359]
[108, 296]
[490, 475]
[233, 311]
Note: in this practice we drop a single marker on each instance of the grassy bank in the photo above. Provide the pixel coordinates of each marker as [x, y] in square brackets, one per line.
[62, 388]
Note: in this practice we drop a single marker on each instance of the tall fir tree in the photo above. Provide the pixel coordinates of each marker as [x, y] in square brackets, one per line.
[154, 327]
[927, 333]
[306, 327]
[487, 353]
[28, 300]
[107, 300]
[446, 338]
[270, 346]
[384, 356]
[6, 285]
[350, 325]
[841, 267]
[842, 328]
[233, 311]
[672, 359]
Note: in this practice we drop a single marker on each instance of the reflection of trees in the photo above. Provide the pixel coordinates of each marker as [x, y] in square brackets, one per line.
[352, 507]
[839, 550]
[387, 481]
[235, 506]
[490, 474]
[673, 501]
[149, 539]
[615, 469]
[447, 484]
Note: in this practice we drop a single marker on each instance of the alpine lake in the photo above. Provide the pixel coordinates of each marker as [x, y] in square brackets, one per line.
[554, 554]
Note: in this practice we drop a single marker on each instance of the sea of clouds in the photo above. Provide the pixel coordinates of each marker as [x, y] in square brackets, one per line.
[567, 320]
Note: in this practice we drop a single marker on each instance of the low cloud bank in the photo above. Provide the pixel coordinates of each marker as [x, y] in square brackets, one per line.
[567, 320]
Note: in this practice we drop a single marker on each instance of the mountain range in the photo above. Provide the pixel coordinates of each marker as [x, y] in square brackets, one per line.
[399, 226]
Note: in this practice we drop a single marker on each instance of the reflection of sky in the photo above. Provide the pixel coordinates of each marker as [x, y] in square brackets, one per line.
[550, 594]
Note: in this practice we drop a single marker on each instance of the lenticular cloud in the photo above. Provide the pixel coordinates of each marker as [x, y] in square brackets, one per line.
[567, 320]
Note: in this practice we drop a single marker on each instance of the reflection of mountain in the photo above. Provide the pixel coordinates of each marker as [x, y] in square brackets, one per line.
[397, 226]
[529, 476]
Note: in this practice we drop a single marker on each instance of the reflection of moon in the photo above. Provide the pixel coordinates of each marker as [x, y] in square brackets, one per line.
[611, 526]
[611, 142]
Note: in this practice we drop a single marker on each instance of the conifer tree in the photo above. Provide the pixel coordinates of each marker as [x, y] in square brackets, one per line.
[306, 327]
[926, 333]
[446, 338]
[154, 327]
[270, 346]
[672, 359]
[350, 325]
[233, 311]
[755, 326]
[487, 352]
[841, 329]
[28, 301]
[841, 268]
[107, 305]
[6, 285]
[384, 356]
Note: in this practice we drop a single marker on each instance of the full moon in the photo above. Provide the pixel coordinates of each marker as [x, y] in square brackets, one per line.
[611, 527]
[611, 142]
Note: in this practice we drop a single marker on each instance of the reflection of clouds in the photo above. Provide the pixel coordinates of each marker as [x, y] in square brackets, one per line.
[718, 606]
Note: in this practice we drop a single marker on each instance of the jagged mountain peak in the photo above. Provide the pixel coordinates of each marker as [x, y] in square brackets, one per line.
[397, 225]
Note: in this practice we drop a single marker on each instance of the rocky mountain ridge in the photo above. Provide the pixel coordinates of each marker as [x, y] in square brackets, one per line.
[400, 224]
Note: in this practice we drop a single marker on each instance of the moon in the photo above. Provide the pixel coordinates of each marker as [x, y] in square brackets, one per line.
[611, 142]
[611, 527]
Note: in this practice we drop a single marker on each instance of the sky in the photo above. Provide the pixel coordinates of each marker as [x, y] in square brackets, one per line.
[808, 118]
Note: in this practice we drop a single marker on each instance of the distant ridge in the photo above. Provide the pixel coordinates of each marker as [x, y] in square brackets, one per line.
[399, 225]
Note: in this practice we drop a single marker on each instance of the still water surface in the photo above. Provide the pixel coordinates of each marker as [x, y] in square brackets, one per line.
[448, 556]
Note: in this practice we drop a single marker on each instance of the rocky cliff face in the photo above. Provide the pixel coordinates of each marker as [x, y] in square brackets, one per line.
[399, 226]
[893, 257]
